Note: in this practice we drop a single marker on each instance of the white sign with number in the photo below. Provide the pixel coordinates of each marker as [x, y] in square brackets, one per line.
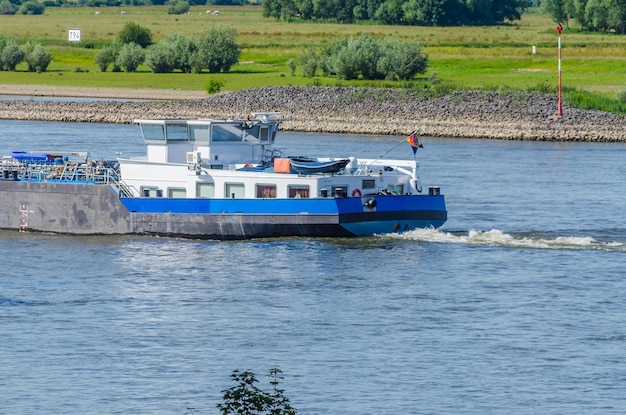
[73, 35]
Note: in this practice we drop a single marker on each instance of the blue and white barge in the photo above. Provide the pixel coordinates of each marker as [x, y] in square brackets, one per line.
[215, 179]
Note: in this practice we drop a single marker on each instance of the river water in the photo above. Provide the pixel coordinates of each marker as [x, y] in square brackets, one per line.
[515, 306]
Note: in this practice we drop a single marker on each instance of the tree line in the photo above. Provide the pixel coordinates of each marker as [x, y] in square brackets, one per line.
[592, 15]
[399, 12]
[38, 7]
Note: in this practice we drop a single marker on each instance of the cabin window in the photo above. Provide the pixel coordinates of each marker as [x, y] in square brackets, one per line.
[265, 191]
[340, 191]
[298, 191]
[368, 184]
[235, 190]
[153, 132]
[264, 135]
[177, 192]
[226, 132]
[205, 190]
[199, 133]
[176, 132]
[151, 191]
[397, 189]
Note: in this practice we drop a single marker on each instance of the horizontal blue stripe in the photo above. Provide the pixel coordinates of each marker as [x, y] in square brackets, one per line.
[328, 206]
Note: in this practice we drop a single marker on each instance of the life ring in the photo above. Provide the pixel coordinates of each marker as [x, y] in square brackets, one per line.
[357, 192]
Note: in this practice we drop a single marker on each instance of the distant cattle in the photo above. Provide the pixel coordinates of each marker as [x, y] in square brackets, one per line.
[122, 12]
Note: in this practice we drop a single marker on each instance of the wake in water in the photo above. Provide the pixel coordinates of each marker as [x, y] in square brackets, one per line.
[496, 237]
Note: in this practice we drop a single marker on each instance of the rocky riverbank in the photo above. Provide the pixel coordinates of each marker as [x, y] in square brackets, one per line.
[471, 114]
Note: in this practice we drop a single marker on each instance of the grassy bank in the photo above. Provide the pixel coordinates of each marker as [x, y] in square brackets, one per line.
[498, 57]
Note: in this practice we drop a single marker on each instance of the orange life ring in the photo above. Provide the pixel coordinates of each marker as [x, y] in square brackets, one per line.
[357, 192]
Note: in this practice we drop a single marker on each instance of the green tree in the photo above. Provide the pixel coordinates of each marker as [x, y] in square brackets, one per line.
[216, 50]
[160, 58]
[178, 7]
[401, 60]
[6, 7]
[31, 7]
[183, 49]
[37, 57]
[309, 61]
[616, 18]
[105, 57]
[557, 9]
[273, 9]
[596, 14]
[134, 33]
[576, 8]
[11, 55]
[129, 57]
[291, 64]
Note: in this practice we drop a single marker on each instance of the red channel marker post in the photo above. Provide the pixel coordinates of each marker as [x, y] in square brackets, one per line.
[560, 103]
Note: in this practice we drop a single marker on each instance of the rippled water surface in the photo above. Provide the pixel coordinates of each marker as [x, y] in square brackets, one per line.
[515, 306]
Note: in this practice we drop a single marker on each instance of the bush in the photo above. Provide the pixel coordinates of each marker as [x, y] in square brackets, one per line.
[213, 86]
[37, 57]
[216, 50]
[401, 60]
[309, 62]
[160, 58]
[291, 64]
[174, 52]
[133, 33]
[129, 57]
[11, 55]
[183, 49]
[31, 7]
[105, 57]
[372, 59]
[180, 7]
[6, 7]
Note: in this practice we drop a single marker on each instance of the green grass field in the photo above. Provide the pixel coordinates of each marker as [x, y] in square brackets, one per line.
[498, 57]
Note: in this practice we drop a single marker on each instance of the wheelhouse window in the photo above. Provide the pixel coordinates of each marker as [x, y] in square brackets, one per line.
[298, 191]
[177, 192]
[235, 190]
[265, 191]
[176, 132]
[199, 133]
[153, 132]
[226, 133]
[205, 190]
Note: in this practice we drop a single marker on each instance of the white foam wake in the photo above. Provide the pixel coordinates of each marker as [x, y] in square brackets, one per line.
[496, 237]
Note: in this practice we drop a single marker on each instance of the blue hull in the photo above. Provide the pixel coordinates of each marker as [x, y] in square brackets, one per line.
[241, 218]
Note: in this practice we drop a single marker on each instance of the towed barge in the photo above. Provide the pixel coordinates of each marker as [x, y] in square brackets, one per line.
[214, 179]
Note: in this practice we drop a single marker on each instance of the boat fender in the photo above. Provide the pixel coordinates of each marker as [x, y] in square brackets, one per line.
[357, 192]
[371, 203]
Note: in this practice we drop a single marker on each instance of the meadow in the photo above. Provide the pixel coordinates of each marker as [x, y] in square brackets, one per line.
[485, 57]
